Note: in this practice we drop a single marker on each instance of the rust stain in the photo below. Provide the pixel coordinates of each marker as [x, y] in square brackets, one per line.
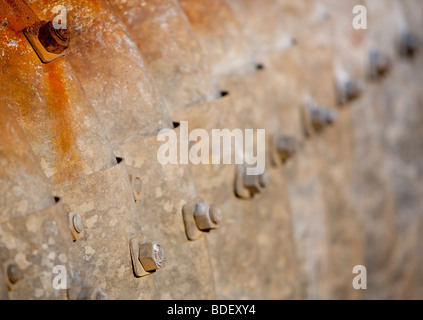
[68, 160]
[19, 14]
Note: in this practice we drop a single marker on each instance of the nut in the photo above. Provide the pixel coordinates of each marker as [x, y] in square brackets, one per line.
[54, 40]
[286, 147]
[353, 90]
[151, 256]
[263, 179]
[252, 183]
[323, 117]
[76, 225]
[409, 44]
[14, 274]
[207, 216]
[380, 64]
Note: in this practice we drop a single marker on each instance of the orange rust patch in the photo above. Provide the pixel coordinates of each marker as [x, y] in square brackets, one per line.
[69, 161]
[18, 14]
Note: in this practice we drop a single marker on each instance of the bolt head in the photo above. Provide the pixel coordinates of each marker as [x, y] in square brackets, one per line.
[152, 256]
[353, 89]
[215, 214]
[53, 40]
[252, 183]
[286, 147]
[330, 116]
[77, 223]
[380, 64]
[264, 179]
[207, 216]
[410, 44]
[14, 274]
[101, 295]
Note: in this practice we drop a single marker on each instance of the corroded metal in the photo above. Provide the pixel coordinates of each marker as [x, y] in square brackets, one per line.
[104, 200]
[23, 186]
[351, 195]
[30, 247]
[188, 272]
[54, 40]
[79, 162]
[111, 70]
[220, 35]
[180, 68]
[69, 132]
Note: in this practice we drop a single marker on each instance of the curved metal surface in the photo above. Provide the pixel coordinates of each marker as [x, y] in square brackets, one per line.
[179, 67]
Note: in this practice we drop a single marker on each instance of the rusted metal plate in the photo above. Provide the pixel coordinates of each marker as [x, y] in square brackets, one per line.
[233, 247]
[111, 70]
[75, 154]
[164, 191]
[179, 66]
[23, 185]
[30, 248]
[49, 104]
[17, 14]
[220, 35]
[104, 201]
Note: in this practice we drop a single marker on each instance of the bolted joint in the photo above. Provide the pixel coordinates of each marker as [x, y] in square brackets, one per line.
[322, 117]
[14, 274]
[53, 40]
[353, 90]
[409, 45]
[286, 147]
[380, 64]
[252, 184]
[247, 185]
[151, 256]
[76, 225]
[207, 216]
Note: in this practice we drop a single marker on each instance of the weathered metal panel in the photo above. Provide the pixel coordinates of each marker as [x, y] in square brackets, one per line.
[110, 69]
[164, 191]
[223, 43]
[33, 231]
[23, 186]
[50, 106]
[116, 96]
[179, 66]
[75, 154]
[221, 36]
[104, 201]
[33, 245]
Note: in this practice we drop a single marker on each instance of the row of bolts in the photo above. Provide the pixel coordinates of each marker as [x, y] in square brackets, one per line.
[207, 216]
